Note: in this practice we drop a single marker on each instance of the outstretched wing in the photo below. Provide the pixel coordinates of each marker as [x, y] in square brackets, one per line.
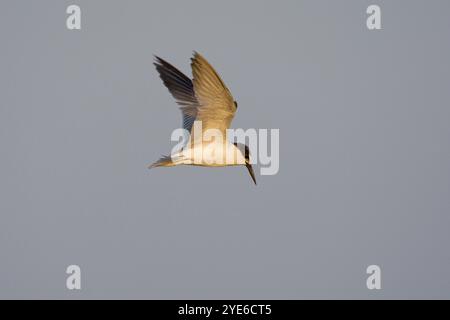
[181, 88]
[216, 106]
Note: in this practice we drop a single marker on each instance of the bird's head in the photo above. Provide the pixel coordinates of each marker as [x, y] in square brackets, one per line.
[246, 153]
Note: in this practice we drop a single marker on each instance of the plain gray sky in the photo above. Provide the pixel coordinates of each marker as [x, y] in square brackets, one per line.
[364, 153]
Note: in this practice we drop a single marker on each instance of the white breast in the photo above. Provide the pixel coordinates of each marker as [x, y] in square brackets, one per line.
[212, 154]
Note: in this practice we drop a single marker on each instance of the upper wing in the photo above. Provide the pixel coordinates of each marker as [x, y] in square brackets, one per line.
[216, 107]
[181, 88]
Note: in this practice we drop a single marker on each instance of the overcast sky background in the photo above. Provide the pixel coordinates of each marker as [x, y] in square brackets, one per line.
[364, 151]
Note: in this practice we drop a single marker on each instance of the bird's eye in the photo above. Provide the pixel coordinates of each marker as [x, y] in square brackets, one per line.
[235, 104]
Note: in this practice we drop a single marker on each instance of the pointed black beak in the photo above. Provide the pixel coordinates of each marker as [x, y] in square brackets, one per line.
[250, 170]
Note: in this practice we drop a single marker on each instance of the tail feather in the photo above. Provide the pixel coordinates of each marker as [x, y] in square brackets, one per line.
[164, 161]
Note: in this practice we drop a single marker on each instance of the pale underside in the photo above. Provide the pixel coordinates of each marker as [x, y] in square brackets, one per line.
[210, 154]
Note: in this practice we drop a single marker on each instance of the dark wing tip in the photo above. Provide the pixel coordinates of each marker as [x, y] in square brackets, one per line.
[196, 56]
[157, 59]
[160, 61]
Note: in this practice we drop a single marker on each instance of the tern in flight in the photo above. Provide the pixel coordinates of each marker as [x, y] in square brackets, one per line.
[207, 106]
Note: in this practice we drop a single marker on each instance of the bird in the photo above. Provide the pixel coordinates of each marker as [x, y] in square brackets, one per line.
[206, 105]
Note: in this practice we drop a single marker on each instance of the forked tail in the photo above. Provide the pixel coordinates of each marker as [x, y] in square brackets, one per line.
[164, 161]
